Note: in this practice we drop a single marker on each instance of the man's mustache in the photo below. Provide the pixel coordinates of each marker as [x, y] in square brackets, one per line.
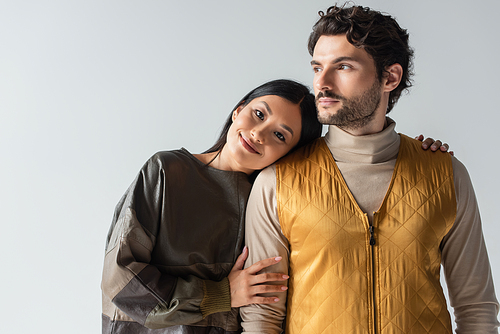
[330, 94]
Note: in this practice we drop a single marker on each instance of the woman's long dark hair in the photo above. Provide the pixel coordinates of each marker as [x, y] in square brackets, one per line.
[291, 91]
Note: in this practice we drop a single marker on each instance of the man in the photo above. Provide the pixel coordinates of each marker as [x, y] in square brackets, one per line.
[364, 216]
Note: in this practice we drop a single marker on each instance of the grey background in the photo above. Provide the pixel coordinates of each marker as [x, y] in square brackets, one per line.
[90, 89]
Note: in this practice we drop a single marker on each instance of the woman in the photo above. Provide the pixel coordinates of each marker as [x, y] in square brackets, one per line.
[178, 230]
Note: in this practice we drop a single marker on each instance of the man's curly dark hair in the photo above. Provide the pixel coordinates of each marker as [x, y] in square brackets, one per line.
[378, 34]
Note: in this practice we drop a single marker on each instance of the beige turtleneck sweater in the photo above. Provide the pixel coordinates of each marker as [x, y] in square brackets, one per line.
[367, 164]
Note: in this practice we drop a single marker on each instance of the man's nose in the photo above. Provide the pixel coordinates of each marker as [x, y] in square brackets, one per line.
[323, 81]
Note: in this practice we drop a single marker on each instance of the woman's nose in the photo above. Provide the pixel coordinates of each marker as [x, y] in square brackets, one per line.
[257, 134]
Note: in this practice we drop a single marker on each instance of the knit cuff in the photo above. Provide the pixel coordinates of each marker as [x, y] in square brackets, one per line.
[217, 297]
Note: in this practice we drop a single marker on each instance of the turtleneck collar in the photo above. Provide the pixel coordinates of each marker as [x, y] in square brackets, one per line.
[370, 149]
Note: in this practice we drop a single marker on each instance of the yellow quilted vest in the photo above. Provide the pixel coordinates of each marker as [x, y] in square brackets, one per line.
[349, 277]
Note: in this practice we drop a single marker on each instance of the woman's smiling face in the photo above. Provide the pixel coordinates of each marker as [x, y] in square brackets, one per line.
[263, 131]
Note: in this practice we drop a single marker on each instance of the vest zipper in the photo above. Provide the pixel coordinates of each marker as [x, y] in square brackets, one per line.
[372, 244]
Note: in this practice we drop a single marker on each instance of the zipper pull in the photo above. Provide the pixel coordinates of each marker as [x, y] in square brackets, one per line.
[372, 238]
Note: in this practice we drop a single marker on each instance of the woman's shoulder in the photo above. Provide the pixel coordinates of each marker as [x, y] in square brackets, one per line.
[165, 155]
[171, 159]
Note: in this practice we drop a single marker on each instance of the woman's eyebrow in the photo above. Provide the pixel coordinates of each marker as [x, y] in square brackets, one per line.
[286, 127]
[268, 108]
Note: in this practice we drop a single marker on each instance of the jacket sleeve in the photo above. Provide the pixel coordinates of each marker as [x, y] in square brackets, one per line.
[135, 285]
[466, 265]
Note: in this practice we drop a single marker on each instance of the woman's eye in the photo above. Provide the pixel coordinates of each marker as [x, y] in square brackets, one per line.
[259, 114]
[280, 136]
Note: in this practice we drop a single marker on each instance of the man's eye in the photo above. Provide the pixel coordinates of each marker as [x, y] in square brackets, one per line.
[259, 114]
[316, 69]
[344, 67]
[279, 135]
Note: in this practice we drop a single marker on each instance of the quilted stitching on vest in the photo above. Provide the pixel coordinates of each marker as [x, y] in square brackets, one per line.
[331, 286]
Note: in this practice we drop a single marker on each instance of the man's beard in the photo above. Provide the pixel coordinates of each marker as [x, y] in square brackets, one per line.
[355, 112]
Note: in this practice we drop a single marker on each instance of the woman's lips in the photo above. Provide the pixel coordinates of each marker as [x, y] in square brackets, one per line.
[248, 145]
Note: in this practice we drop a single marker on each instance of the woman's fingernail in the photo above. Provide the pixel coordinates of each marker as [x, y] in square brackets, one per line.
[244, 249]
[278, 258]
[286, 276]
[284, 288]
[276, 299]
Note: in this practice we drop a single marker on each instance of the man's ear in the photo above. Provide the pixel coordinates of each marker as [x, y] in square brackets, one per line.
[237, 111]
[392, 77]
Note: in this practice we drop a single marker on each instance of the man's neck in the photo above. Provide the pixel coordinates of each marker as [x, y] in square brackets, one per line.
[375, 148]
[375, 126]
